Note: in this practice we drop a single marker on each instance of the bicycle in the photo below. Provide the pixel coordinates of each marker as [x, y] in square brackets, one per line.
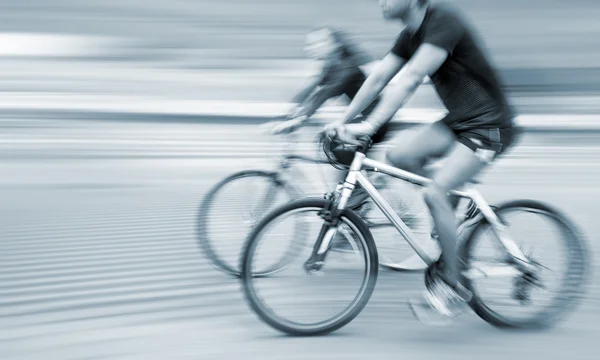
[282, 181]
[523, 272]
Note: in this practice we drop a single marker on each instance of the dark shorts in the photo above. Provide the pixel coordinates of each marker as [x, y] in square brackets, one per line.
[488, 142]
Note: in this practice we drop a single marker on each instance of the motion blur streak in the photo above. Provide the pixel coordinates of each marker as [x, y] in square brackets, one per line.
[98, 252]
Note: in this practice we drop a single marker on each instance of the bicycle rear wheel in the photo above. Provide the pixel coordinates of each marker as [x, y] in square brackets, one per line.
[280, 301]
[231, 209]
[510, 289]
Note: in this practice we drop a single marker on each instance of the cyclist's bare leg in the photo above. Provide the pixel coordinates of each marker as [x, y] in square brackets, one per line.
[414, 149]
[460, 166]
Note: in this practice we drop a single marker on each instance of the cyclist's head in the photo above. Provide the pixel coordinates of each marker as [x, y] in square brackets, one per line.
[320, 44]
[399, 9]
[326, 43]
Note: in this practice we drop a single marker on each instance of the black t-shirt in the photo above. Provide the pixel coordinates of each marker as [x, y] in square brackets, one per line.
[466, 82]
[342, 77]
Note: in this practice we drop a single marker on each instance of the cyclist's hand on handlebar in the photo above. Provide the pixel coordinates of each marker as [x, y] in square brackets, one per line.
[347, 133]
[333, 128]
[359, 130]
[288, 126]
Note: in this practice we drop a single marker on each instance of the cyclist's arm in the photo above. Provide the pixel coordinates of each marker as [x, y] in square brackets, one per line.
[427, 60]
[377, 80]
[334, 84]
[308, 89]
[310, 105]
[317, 99]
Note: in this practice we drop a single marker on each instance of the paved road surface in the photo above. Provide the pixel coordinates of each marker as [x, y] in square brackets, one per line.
[99, 260]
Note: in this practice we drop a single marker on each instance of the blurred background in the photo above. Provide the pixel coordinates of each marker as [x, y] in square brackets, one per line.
[116, 117]
[203, 49]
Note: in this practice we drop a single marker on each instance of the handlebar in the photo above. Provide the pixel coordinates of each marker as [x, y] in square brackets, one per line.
[339, 146]
[333, 141]
[343, 137]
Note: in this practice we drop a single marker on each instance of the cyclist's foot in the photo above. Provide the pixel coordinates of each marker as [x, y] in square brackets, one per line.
[341, 244]
[358, 198]
[440, 303]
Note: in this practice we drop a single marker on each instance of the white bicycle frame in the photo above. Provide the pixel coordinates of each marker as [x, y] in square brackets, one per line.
[355, 175]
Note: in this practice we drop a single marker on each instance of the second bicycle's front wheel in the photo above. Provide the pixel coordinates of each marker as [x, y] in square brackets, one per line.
[230, 210]
[325, 299]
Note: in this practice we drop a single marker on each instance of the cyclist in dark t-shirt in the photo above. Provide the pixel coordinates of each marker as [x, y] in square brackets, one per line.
[437, 42]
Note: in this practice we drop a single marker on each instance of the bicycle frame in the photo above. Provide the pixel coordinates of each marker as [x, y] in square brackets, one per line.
[288, 174]
[355, 175]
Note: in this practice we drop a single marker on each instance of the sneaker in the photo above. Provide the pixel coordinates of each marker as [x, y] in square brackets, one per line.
[340, 244]
[440, 303]
[358, 198]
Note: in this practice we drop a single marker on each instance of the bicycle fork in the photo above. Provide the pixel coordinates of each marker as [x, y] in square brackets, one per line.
[337, 203]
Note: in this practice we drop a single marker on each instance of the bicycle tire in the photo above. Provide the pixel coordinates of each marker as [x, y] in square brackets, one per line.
[285, 326]
[203, 215]
[572, 288]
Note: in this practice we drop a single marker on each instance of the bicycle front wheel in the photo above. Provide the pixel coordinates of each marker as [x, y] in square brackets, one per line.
[231, 209]
[299, 302]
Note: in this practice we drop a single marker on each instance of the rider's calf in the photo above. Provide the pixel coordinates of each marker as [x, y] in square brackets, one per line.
[436, 198]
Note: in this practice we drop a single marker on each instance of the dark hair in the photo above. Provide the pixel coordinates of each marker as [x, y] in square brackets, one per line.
[350, 50]
[422, 2]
